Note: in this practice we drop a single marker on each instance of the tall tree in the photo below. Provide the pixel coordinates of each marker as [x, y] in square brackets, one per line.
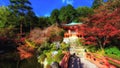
[97, 3]
[84, 11]
[54, 16]
[31, 20]
[20, 8]
[6, 23]
[44, 22]
[6, 18]
[67, 14]
[4, 13]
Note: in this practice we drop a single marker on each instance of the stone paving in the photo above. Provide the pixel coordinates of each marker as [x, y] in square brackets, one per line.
[77, 62]
[80, 53]
[87, 64]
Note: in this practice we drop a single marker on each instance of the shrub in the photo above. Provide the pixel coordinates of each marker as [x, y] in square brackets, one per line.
[112, 51]
[64, 46]
[49, 34]
[58, 57]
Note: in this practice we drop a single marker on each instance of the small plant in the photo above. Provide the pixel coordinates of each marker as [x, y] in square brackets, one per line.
[64, 46]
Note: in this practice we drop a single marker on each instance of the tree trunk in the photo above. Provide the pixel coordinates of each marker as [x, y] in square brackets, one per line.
[30, 27]
[18, 62]
[100, 44]
[21, 29]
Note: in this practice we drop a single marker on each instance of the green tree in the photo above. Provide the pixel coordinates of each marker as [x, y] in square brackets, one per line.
[20, 8]
[84, 11]
[43, 22]
[31, 20]
[67, 14]
[97, 3]
[4, 13]
[54, 16]
[6, 22]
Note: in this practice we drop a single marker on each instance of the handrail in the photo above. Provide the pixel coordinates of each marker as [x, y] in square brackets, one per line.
[100, 62]
[114, 60]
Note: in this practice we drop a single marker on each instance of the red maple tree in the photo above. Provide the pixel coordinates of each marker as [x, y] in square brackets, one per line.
[102, 28]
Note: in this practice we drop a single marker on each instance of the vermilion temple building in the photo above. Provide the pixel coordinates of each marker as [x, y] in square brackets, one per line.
[72, 32]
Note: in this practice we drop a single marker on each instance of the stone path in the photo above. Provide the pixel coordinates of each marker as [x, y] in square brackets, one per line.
[87, 64]
[76, 62]
[83, 62]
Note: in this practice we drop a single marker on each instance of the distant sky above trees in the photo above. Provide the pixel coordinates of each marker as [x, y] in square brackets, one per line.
[45, 7]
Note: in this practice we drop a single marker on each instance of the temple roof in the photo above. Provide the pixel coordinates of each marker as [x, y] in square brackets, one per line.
[73, 23]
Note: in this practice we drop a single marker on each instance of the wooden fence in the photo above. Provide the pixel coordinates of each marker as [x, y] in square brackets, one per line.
[101, 62]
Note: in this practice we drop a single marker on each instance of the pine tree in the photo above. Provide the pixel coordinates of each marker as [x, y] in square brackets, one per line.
[20, 8]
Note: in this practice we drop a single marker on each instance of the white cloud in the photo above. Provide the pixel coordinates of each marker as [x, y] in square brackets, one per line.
[68, 1]
[47, 15]
[63, 1]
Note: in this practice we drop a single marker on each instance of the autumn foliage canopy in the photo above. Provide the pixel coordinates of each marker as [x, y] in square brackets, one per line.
[102, 28]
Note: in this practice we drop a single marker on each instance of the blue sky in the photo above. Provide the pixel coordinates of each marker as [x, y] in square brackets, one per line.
[45, 7]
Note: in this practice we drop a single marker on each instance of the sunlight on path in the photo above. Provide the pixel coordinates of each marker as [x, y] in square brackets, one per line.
[80, 52]
[87, 64]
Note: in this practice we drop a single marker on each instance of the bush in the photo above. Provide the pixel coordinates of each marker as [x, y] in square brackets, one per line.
[49, 34]
[7, 32]
[58, 57]
[46, 51]
[112, 51]
[64, 46]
